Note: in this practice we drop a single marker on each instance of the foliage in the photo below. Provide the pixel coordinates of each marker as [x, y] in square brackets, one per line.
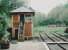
[60, 14]
[3, 27]
[38, 18]
[57, 16]
[5, 7]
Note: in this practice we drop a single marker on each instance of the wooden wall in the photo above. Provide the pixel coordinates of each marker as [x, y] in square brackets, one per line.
[15, 24]
[16, 20]
[28, 29]
[27, 26]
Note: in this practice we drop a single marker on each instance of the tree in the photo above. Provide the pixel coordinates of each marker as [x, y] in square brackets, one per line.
[3, 27]
[60, 14]
[7, 5]
[39, 18]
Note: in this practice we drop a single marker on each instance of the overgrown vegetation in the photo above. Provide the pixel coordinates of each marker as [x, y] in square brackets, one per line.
[7, 5]
[57, 16]
[3, 27]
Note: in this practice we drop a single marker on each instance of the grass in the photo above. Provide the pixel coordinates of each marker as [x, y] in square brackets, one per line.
[38, 29]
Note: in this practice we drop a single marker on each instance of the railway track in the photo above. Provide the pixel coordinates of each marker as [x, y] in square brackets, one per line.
[58, 44]
[55, 44]
[62, 35]
[59, 37]
[42, 37]
[45, 38]
[59, 34]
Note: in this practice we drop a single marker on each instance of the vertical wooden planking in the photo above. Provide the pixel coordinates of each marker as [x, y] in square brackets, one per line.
[15, 24]
[15, 20]
[28, 29]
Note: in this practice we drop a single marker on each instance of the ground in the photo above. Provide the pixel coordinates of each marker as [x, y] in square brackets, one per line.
[36, 44]
[28, 46]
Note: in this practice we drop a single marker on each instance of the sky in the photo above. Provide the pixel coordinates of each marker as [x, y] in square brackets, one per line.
[45, 5]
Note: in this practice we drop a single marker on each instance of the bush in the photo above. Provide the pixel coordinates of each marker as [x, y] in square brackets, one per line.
[3, 27]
